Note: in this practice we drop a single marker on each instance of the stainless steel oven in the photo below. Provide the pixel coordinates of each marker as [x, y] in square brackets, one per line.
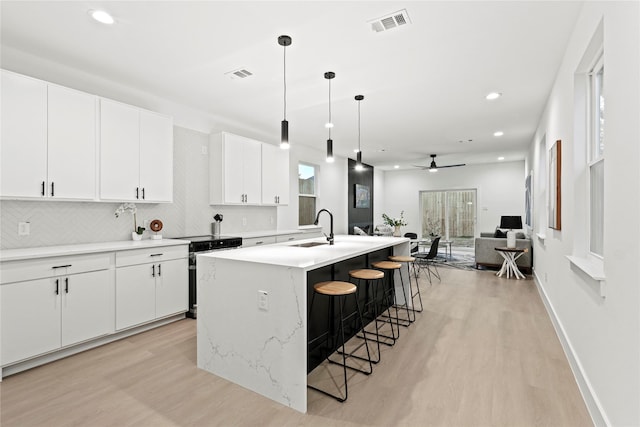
[200, 245]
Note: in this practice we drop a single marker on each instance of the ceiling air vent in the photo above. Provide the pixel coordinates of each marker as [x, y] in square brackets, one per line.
[390, 21]
[240, 73]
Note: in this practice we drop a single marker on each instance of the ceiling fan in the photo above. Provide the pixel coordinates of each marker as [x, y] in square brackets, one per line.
[434, 168]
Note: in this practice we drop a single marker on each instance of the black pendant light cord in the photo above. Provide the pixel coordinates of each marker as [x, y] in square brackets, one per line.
[285, 82]
[330, 122]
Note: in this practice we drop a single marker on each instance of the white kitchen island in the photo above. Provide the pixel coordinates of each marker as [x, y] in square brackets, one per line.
[252, 309]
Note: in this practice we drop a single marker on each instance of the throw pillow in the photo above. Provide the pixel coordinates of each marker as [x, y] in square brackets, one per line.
[520, 235]
[500, 234]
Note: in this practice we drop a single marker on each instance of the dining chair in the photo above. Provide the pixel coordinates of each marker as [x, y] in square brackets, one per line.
[427, 260]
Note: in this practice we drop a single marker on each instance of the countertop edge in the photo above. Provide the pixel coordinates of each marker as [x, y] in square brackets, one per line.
[7, 255]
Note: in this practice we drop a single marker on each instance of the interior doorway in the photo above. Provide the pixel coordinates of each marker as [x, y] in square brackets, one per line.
[450, 214]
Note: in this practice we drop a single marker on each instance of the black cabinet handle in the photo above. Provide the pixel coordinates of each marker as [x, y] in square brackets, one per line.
[155, 255]
[142, 193]
[42, 191]
[61, 266]
[153, 270]
[66, 285]
[137, 193]
[57, 286]
[159, 270]
[52, 192]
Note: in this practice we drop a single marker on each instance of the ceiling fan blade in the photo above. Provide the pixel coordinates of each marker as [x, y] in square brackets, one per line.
[452, 166]
[420, 166]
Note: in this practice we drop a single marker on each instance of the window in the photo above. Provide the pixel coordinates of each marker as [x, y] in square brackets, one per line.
[450, 214]
[596, 157]
[306, 194]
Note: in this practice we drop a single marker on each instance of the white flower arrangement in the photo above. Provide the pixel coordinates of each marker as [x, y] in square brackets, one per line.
[130, 207]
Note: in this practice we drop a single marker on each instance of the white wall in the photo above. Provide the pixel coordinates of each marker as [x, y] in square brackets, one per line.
[500, 191]
[331, 187]
[601, 335]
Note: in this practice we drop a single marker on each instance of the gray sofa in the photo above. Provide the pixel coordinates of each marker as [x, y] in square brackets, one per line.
[487, 256]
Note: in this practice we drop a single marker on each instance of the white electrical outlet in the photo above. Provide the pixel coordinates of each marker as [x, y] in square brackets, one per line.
[24, 228]
[205, 150]
[263, 300]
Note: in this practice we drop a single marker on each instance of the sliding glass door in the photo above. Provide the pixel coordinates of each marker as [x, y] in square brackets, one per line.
[450, 214]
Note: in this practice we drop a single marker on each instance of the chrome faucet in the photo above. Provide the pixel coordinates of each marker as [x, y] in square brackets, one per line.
[330, 236]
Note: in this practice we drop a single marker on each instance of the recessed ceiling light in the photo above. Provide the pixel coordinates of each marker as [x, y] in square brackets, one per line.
[500, 158]
[498, 133]
[493, 95]
[102, 16]
[396, 166]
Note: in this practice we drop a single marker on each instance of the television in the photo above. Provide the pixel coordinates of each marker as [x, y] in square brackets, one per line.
[511, 222]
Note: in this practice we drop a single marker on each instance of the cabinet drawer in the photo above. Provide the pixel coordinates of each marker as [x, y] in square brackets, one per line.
[257, 241]
[289, 237]
[156, 254]
[18, 271]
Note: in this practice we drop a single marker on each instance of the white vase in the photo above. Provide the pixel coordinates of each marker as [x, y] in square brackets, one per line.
[136, 236]
[511, 239]
[396, 231]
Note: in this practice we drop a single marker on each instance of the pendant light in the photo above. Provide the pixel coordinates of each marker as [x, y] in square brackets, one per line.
[329, 75]
[284, 125]
[359, 166]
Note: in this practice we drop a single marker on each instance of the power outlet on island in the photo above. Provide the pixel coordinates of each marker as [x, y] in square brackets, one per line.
[263, 300]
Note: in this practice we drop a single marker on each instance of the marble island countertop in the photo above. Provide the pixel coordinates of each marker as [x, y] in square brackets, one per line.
[295, 254]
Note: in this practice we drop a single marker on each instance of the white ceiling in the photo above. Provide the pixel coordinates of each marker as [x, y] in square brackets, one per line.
[424, 83]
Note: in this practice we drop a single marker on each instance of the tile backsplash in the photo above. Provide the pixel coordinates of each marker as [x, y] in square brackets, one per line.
[62, 223]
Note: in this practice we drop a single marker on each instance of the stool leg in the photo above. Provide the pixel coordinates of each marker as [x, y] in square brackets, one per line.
[370, 302]
[413, 309]
[366, 341]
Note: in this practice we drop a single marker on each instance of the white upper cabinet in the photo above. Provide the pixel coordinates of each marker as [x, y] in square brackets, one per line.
[136, 154]
[48, 140]
[71, 144]
[156, 156]
[23, 171]
[234, 170]
[275, 175]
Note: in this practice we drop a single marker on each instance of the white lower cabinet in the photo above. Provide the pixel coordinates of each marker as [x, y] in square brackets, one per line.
[150, 284]
[46, 314]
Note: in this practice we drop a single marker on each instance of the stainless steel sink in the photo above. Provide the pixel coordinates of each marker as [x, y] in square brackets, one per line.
[309, 244]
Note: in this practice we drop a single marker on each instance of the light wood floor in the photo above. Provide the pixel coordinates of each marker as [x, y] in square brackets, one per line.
[483, 353]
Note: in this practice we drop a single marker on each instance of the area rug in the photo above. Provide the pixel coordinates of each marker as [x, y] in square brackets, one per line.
[461, 258]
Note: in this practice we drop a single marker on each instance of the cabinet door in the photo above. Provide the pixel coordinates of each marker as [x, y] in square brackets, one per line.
[252, 171]
[233, 168]
[72, 144]
[30, 318]
[172, 287]
[135, 295]
[119, 151]
[275, 175]
[156, 157]
[87, 306]
[23, 170]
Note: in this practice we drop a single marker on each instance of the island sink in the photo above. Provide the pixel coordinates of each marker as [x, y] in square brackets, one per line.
[309, 244]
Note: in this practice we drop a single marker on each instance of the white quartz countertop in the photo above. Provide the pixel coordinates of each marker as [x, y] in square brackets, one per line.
[290, 254]
[84, 248]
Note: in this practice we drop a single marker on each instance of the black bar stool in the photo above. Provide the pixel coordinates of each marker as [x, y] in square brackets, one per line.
[389, 267]
[337, 290]
[372, 279]
[408, 261]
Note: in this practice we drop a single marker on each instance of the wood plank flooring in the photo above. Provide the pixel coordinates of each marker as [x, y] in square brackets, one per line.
[483, 353]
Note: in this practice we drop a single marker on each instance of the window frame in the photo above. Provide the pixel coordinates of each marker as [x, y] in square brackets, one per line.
[595, 146]
[315, 189]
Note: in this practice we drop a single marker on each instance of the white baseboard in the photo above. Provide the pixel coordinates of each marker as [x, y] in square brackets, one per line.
[597, 413]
